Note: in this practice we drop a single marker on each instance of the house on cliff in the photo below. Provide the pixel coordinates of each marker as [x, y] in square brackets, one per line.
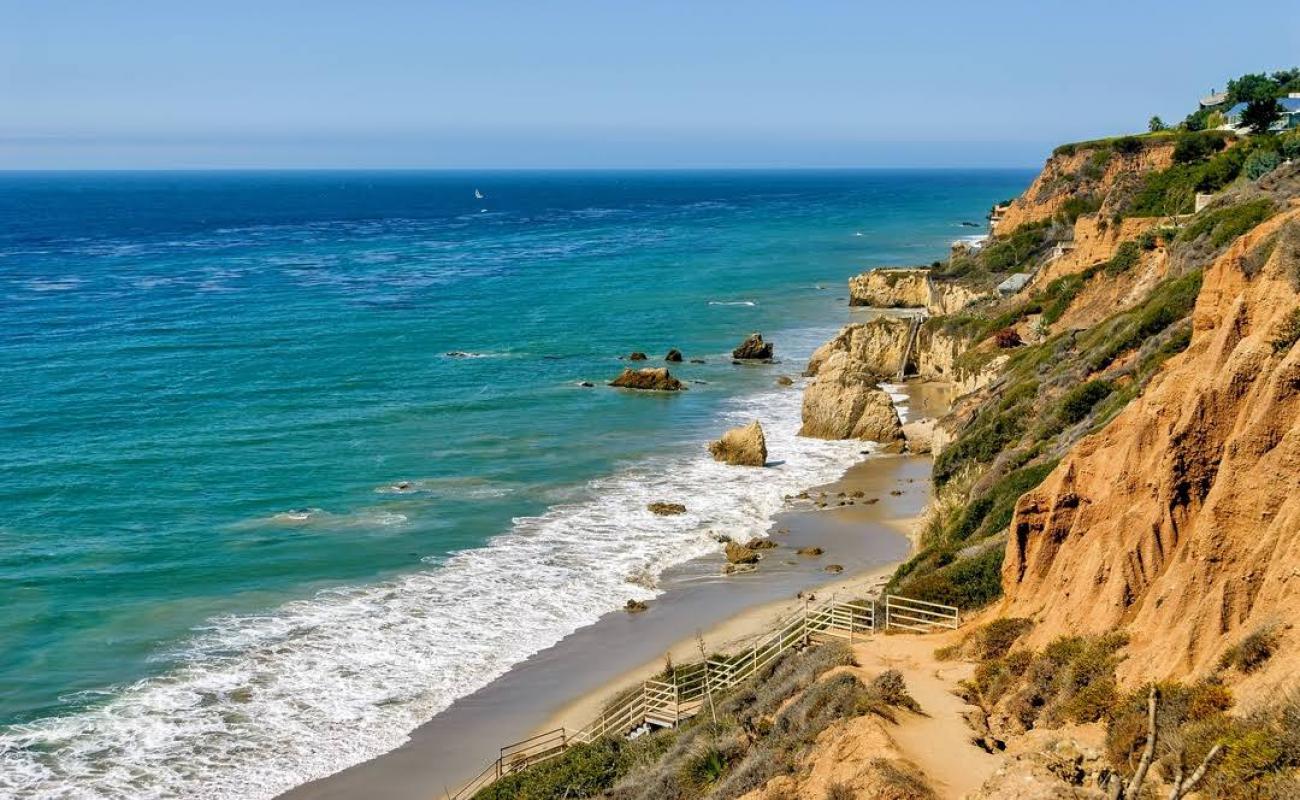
[1288, 119]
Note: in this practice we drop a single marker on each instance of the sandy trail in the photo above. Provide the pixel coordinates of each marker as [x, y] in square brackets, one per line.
[938, 742]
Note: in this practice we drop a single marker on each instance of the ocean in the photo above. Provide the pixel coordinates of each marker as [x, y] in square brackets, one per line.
[290, 461]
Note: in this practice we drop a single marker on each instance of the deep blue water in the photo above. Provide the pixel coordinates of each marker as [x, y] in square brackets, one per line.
[212, 383]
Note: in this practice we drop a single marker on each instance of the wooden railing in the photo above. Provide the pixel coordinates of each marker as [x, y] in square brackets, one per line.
[919, 615]
[676, 696]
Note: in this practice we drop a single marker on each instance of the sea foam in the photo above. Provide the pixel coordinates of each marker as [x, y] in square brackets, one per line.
[262, 703]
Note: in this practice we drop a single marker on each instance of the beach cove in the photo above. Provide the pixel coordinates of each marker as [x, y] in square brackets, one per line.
[345, 524]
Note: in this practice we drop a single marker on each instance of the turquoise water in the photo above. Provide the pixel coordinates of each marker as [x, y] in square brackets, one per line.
[214, 581]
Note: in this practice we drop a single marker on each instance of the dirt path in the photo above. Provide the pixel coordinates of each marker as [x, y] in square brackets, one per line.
[938, 742]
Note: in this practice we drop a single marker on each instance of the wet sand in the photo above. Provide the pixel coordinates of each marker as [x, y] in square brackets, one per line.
[564, 685]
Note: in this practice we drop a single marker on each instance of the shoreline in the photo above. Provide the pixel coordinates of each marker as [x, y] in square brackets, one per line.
[566, 684]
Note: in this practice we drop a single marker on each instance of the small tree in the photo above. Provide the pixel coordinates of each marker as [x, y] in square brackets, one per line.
[1156, 124]
[1260, 114]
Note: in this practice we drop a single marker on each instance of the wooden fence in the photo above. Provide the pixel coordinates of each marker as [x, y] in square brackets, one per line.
[670, 699]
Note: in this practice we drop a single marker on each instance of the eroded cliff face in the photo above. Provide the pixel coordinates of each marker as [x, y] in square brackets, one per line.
[1180, 520]
[1083, 171]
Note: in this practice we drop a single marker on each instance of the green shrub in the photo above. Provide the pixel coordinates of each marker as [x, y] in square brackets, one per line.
[1260, 163]
[966, 583]
[1126, 257]
[1194, 146]
[1289, 146]
[1251, 652]
[584, 770]
[1077, 206]
[1078, 402]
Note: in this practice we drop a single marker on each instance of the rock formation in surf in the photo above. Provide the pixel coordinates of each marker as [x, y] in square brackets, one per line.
[753, 349]
[744, 446]
[656, 379]
[842, 402]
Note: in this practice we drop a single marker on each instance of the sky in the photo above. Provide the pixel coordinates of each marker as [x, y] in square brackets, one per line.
[204, 84]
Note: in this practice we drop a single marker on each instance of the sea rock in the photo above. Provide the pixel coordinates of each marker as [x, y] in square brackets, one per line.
[759, 543]
[834, 569]
[737, 553]
[753, 349]
[586, 384]
[745, 446]
[785, 380]
[844, 403]
[697, 361]
[655, 379]
[737, 569]
[673, 355]
[635, 606]
[810, 551]
[637, 356]
[666, 509]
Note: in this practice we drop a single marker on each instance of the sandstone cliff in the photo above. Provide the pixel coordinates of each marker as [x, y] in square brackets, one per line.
[909, 288]
[1180, 520]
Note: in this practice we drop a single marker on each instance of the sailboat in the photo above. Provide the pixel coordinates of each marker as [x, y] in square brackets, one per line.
[478, 195]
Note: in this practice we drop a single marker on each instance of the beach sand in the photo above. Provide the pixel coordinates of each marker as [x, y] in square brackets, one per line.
[566, 684]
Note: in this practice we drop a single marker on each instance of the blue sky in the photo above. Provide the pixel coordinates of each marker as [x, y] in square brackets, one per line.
[397, 83]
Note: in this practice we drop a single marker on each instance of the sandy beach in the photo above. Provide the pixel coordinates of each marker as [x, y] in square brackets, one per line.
[565, 685]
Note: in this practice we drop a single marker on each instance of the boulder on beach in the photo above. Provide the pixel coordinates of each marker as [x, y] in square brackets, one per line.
[737, 553]
[759, 543]
[843, 402]
[785, 380]
[654, 379]
[637, 356]
[635, 606]
[666, 509]
[744, 447]
[919, 436]
[674, 355]
[753, 349]
[834, 569]
[810, 551]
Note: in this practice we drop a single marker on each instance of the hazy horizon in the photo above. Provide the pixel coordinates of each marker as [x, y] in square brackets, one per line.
[586, 85]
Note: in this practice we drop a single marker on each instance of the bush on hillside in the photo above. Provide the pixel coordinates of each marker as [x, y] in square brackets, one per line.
[1195, 146]
[1251, 652]
[1260, 163]
[1007, 338]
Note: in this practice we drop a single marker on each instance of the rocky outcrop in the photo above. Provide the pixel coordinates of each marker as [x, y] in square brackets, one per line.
[737, 553]
[674, 355]
[1181, 519]
[909, 288]
[655, 379]
[842, 402]
[878, 346]
[637, 356]
[745, 446]
[890, 288]
[666, 509]
[754, 349]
